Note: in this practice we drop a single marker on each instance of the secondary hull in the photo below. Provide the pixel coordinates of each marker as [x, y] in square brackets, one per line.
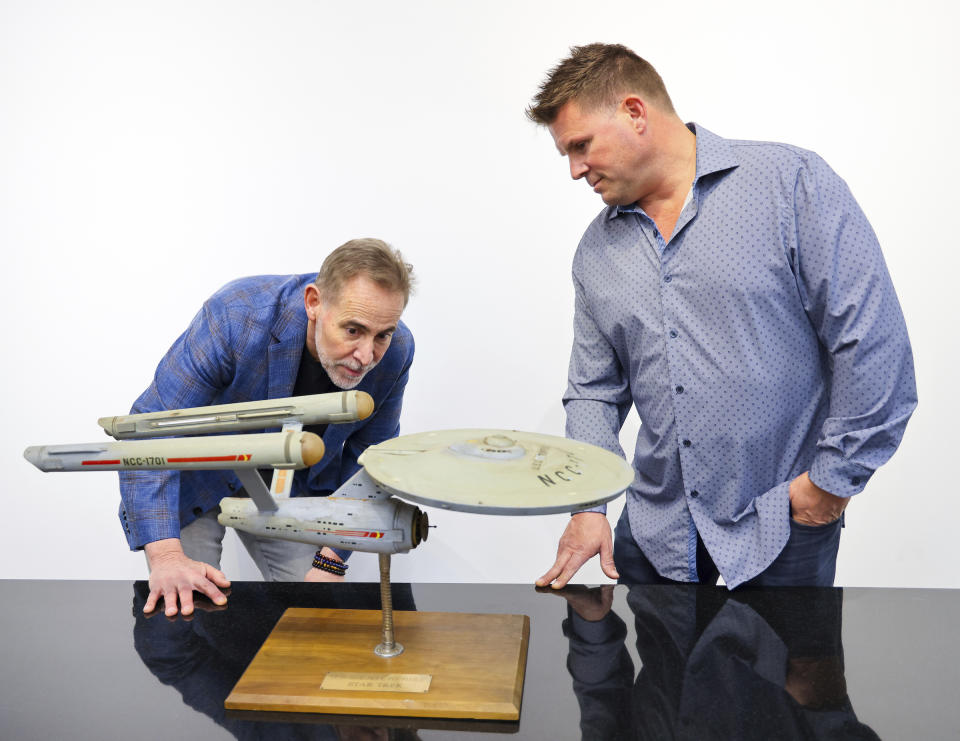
[376, 526]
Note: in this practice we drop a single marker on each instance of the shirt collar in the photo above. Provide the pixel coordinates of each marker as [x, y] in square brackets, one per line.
[714, 154]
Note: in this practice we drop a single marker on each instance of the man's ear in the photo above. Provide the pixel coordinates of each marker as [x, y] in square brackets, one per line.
[312, 301]
[636, 108]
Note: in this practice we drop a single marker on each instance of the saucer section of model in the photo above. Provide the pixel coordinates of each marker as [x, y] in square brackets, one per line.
[502, 472]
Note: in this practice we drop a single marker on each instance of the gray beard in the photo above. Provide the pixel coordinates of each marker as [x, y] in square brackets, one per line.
[341, 381]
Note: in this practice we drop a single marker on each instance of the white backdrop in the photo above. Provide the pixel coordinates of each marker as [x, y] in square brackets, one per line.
[150, 152]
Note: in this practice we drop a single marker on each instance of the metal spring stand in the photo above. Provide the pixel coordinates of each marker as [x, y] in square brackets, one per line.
[388, 647]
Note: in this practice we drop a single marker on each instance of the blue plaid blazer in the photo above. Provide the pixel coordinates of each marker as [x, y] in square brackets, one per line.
[243, 345]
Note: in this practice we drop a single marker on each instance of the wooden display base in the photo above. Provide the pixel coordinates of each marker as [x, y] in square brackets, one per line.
[474, 665]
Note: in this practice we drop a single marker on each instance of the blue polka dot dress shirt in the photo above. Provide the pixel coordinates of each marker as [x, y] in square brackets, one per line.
[764, 339]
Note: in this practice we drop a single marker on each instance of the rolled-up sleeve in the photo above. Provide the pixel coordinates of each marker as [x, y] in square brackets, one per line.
[850, 299]
[598, 398]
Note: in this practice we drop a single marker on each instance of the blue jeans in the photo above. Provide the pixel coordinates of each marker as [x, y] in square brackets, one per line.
[809, 559]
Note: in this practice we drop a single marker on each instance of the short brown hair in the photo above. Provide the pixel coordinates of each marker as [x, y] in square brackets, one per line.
[373, 258]
[596, 75]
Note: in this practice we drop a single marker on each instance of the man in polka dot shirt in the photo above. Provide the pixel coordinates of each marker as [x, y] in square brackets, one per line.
[735, 294]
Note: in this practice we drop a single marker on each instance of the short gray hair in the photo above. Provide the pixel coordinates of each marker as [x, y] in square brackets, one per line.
[373, 258]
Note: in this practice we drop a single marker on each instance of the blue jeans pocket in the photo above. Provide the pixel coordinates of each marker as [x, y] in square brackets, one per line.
[808, 559]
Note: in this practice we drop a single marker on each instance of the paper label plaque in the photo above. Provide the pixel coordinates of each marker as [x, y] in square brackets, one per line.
[370, 682]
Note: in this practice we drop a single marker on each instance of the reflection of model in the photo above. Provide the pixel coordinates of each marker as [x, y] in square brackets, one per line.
[734, 293]
[268, 337]
[715, 665]
[203, 658]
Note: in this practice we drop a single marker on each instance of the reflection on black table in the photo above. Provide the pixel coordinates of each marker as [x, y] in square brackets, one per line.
[204, 656]
[751, 664]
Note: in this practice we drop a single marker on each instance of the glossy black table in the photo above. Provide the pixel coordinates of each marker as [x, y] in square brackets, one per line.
[79, 661]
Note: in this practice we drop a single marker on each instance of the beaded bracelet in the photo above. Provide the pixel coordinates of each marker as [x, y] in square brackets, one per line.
[331, 566]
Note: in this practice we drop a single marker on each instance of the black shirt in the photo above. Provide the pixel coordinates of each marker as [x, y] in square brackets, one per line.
[311, 379]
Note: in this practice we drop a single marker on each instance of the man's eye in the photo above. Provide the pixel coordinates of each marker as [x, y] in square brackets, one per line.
[353, 331]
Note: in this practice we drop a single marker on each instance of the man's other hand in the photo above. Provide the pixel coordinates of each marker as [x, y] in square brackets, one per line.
[320, 574]
[811, 505]
[586, 535]
[174, 577]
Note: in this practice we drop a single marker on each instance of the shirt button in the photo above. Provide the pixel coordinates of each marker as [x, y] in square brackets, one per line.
[667, 278]
[855, 480]
[197, 511]
[673, 333]
[687, 443]
[679, 389]
[694, 493]
[232, 486]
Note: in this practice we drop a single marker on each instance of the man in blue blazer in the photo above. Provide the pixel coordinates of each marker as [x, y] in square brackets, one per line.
[264, 337]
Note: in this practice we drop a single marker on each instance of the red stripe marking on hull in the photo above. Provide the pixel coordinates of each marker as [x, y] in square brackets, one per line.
[208, 459]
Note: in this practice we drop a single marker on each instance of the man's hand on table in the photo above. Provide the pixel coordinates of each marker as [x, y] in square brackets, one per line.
[174, 577]
[586, 535]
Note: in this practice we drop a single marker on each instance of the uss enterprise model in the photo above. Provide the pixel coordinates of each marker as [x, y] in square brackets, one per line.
[499, 472]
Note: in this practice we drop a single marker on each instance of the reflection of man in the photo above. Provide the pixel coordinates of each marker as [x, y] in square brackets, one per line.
[204, 655]
[734, 293]
[269, 337]
[757, 664]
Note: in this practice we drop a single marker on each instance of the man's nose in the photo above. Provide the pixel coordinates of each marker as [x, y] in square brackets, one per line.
[578, 168]
[364, 352]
